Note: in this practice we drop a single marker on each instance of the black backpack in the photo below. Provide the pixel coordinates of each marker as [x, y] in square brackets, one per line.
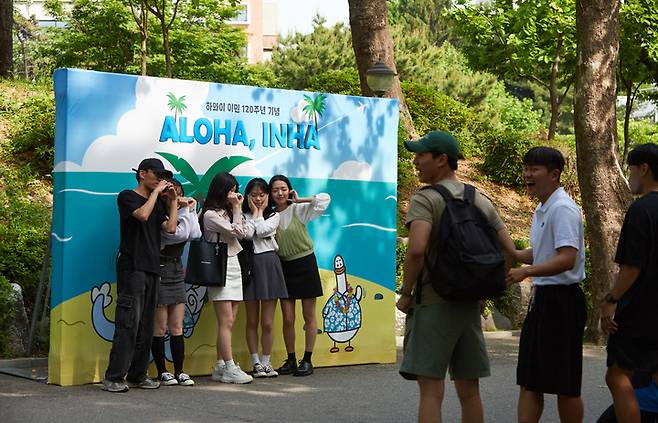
[470, 265]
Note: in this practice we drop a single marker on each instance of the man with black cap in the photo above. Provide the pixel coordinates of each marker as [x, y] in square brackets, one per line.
[441, 334]
[142, 214]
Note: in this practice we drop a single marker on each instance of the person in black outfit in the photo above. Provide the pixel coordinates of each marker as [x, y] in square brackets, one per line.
[628, 312]
[142, 214]
[646, 391]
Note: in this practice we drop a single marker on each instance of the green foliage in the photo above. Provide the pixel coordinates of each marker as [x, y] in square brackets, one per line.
[344, 81]
[422, 13]
[642, 132]
[98, 35]
[24, 227]
[32, 128]
[400, 254]
[434, 111]
[300, 57]
[519, 39]
[104, 36]
[503, 153]
[6, 316]
[522, 40]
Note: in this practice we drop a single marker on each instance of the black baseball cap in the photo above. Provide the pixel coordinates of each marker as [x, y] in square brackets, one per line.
[156, 166]
[436, 142]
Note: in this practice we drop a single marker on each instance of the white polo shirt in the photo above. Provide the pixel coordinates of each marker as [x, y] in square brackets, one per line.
[555, 224]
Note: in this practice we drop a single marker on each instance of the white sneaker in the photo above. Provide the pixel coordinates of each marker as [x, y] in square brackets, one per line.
[185, 380]
[217, 372]
[234, 374]
[167, 379]
[269, 371]
[259, 371]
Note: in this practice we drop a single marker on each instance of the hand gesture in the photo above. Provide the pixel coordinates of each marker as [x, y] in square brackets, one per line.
[162, 185]
[191, 203]
[252, 207]
[608, 323]
[516, 275]
[183, 202]
[404, 303]
[294, 196]
[170, 192]
[235, 199]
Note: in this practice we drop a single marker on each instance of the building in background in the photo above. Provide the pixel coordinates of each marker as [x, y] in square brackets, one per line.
[36, 9]
[258, 19]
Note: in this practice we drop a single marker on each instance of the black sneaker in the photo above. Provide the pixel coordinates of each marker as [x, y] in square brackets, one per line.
[304, 369]
[289, 367]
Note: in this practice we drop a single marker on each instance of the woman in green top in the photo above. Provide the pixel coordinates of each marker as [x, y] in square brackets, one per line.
[300, 267]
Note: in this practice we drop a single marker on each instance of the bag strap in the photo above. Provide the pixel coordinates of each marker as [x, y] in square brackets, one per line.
[469, 194]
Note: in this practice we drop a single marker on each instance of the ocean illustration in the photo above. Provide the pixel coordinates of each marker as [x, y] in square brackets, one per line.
[342, 145]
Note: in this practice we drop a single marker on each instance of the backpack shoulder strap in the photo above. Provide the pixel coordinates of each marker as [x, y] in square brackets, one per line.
[469, 194]
[445, 192]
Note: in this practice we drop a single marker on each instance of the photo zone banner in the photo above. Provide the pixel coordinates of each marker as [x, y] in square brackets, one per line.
[341, 145]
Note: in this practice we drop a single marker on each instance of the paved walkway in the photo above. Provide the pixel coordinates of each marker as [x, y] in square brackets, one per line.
[372, 393]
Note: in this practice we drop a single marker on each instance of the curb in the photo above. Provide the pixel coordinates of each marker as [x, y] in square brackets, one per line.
[24, 363]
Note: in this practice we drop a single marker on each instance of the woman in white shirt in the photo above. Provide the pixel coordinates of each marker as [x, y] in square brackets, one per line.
[223, 222]
[300, 267]
[171, 292]
[266, 283]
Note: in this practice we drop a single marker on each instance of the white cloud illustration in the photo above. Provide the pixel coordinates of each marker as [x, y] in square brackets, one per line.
[138, 132]
[353, 170]
[297, 113]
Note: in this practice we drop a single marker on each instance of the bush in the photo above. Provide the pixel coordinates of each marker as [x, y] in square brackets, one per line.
[431, 111]
[32, 131]
[24, 228]
[345, 81]
[503, 153]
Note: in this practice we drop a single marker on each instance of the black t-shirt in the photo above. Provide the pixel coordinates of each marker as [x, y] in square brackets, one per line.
[139, 248]
[638, 247]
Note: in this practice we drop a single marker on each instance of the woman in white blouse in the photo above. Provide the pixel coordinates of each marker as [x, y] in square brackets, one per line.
[300, 267]
[266, 283]
[223, 222]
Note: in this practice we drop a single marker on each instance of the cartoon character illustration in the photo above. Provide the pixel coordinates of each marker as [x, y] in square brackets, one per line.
[342, 313]
[104, 327]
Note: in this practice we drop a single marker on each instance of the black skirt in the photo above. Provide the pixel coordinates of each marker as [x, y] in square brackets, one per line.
[551, 345]
[302, 277]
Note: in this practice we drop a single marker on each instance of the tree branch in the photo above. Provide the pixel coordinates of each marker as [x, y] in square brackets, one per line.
[174, 14]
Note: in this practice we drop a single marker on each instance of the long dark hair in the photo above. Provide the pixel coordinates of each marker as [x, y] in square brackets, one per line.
[217, 198]
[261, 184]
[272, 181]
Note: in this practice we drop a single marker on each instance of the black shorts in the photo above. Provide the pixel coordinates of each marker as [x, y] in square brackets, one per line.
[551, 345]
[632, 353]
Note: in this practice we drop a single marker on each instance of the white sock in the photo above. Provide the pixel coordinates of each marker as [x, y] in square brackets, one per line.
[220, 363]
[230, 364]
[266, 360]
[254, 359]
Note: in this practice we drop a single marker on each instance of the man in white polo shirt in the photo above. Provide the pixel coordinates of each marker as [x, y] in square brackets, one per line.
[550, 349]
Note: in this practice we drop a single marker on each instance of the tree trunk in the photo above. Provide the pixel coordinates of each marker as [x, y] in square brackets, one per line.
[372, 41]
[605, 192]
[555, 100]
[6, 37]
[167, 52]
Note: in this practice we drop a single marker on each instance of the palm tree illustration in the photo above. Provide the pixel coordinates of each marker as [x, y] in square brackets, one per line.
[314, 107]
[176, 104]
[195, 187]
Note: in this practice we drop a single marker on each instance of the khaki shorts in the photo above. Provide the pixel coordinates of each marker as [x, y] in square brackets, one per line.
[444, 336]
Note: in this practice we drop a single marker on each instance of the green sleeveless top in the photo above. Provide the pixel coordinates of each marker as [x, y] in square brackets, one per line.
[294, 241]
